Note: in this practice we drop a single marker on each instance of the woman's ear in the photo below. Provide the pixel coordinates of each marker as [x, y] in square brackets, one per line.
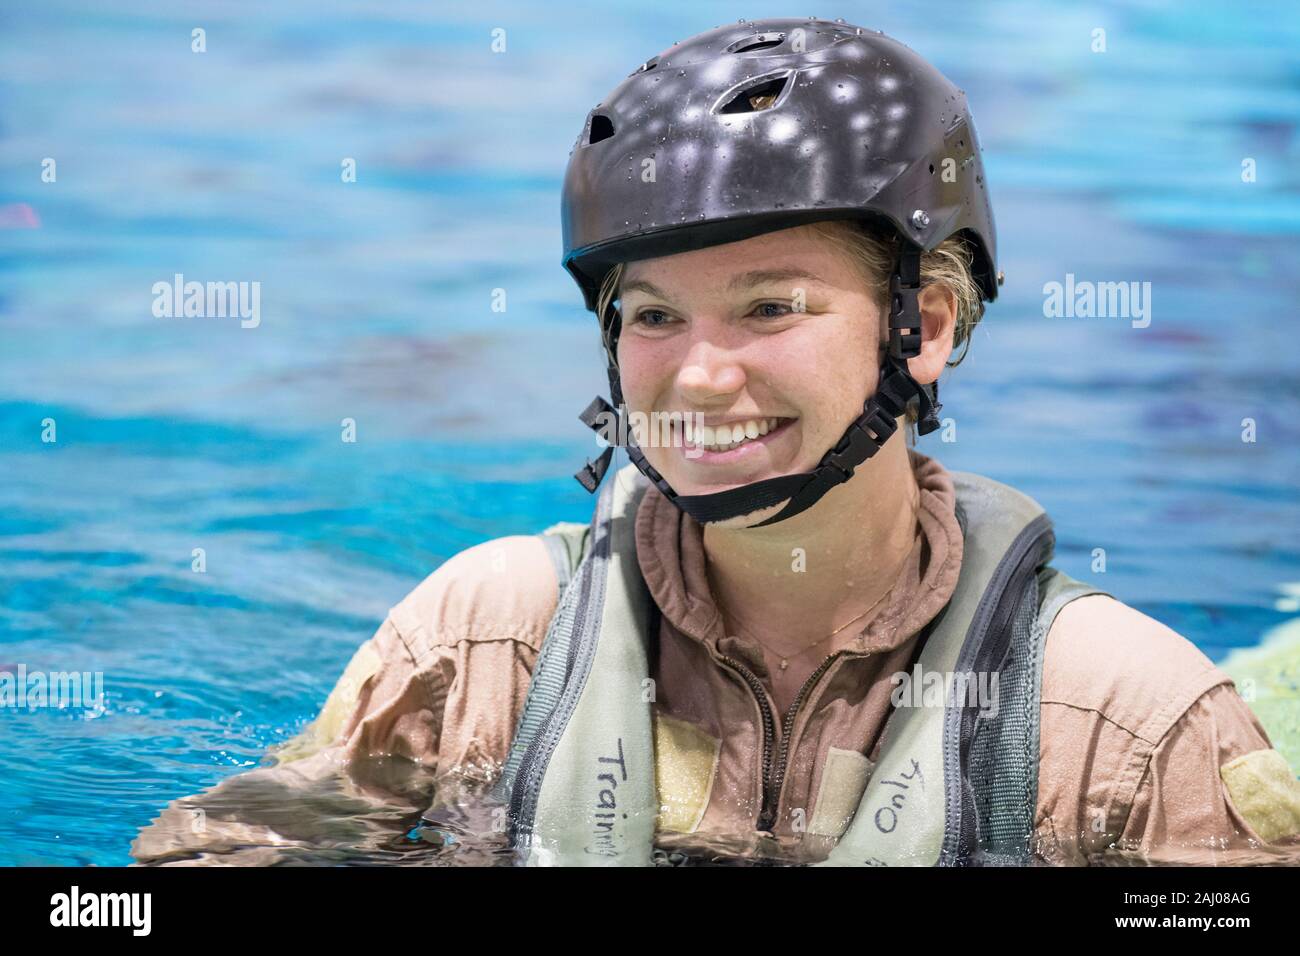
[938, 305]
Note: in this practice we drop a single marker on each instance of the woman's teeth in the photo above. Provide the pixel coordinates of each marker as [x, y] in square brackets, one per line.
[724, 437]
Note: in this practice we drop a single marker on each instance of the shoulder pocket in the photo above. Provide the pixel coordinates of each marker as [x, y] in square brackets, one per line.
[1265, 791]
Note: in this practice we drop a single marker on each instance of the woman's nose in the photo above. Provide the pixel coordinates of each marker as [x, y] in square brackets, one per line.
[708, 371]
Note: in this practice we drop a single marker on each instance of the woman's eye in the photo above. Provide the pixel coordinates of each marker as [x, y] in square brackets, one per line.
[762, 310]
[652, 318]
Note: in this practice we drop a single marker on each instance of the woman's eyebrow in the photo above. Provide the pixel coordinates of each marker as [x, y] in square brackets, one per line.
[642, 285]
[744, 280]
[747, 280]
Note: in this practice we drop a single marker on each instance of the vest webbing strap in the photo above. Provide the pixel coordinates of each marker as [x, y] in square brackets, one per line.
[1005, 751]
[565, 544]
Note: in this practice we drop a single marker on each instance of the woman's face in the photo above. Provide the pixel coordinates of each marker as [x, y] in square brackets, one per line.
[776, 335]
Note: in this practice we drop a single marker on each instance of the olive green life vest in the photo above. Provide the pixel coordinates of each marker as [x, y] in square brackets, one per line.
[951, 786]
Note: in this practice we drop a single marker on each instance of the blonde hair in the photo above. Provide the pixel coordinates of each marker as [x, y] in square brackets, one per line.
[873, 246]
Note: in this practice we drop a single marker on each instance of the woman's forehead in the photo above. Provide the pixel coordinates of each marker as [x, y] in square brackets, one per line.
[795, 256]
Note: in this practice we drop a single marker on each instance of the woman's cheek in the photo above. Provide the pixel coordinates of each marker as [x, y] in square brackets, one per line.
[636, 368]
[638, 391]
[830, 396]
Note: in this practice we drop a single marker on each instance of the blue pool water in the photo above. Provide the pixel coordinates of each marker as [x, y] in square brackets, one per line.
[177, 434]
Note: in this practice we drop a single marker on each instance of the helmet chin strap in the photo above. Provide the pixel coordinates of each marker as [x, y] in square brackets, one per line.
[864, 437]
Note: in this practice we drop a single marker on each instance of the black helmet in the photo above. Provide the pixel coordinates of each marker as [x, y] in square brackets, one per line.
[765, 125]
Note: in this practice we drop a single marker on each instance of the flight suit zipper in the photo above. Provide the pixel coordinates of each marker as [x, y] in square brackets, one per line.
[756, 687]
[774, 776]
[787, 727]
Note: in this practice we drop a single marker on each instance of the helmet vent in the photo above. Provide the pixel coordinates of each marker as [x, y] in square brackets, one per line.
[645, 67]
[602, 127]
[760, 96]
[759, 41]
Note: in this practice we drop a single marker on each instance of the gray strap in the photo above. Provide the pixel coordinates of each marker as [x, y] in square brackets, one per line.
[585, 789]
[1004, 759]
[564, 544]
[559, 553]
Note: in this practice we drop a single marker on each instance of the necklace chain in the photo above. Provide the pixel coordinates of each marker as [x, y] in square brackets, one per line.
[785, 661]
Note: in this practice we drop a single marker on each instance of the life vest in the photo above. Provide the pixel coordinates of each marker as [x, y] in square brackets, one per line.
[952, 785]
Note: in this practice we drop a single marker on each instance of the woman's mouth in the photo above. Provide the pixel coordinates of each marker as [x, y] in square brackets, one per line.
[730, 441]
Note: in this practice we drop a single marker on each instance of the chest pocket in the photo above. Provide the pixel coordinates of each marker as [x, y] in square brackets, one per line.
[686, 764]
[844, 779]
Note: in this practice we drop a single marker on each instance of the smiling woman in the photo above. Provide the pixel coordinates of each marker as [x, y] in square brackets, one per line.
[853, 264]
[718, 667]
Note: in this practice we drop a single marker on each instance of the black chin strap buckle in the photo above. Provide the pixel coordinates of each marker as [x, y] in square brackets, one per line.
[590, 475]
[928, 400]
[854, 448]
[601, 417]
[904, 309]
[905, 331]
[875, 426]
